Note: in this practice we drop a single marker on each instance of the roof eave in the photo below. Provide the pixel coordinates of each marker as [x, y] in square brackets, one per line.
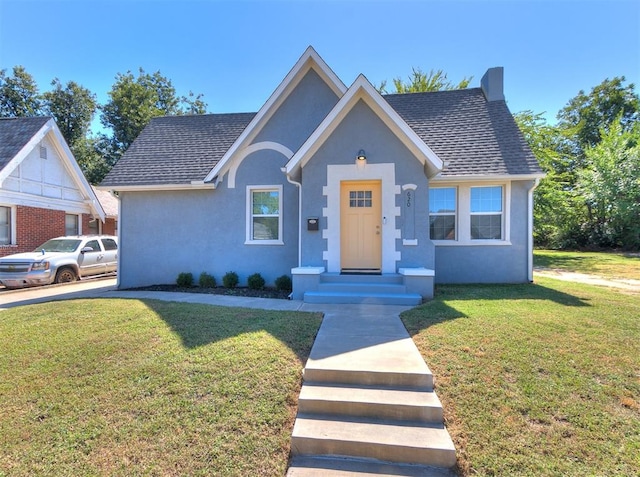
[194, 185]
[487, 177]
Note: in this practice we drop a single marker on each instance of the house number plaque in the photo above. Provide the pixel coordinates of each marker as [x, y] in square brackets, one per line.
[409, 232]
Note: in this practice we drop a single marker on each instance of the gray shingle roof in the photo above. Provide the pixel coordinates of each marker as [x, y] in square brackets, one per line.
[177, 149]
[471, 135]
[15, 133]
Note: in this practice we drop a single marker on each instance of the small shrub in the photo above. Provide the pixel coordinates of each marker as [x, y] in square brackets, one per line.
[206, 280]
[185, 280]
[255, 281]
[283, 283]
[230, 280]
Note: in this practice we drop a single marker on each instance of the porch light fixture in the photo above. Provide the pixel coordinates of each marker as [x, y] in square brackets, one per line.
[361, 155]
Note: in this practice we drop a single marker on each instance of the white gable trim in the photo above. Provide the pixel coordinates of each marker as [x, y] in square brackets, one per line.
[361, 89]
[71, 166]
[275, 146]
[309, 60]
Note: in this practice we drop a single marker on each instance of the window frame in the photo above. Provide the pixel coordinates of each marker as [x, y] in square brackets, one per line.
[11, 225]
[487, 213]
[250, 215]
[463, 233]
[446, 214]
[78, 224]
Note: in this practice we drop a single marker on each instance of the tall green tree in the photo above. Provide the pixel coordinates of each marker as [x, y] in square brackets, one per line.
[420, 82]
[587, 116]
[610, 185]
[19, 95]
[73, 108]
[133, 101]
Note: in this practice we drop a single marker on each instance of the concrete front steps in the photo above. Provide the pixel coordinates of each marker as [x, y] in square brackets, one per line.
[377, 419]
[388, 289]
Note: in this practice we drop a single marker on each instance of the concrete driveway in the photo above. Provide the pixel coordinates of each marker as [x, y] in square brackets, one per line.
[81, 289]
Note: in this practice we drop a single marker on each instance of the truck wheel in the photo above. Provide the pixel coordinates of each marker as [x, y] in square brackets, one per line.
[65, 275]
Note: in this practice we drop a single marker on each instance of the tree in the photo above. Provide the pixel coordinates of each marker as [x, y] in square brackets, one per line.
[19, 94]
[135, 100]
[420, 82]
[610, 185]
[73, 107]
[587, 117]
[559, 209]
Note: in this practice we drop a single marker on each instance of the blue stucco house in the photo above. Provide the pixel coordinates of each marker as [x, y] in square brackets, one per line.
[360, 197]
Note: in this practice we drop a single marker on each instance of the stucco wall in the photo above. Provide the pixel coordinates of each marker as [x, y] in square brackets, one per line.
[362, 129]
[500, 263]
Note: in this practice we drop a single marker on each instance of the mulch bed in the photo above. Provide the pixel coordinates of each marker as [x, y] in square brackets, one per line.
[239, 291]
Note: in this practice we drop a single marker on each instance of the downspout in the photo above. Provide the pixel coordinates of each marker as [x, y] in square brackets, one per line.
[530, 230]
[299, 186]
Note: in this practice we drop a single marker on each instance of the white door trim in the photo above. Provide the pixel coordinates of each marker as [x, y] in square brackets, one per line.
[350, 172]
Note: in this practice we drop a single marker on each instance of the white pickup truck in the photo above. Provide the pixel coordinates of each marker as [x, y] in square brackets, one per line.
[60, 260]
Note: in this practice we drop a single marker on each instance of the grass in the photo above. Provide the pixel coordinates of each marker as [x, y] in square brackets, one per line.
[607, 265]
[537, 379]
[126, 387]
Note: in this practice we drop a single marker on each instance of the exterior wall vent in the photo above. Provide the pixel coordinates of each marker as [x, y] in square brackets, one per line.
[43, 152]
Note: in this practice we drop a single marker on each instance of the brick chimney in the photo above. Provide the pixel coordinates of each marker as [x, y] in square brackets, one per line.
[492, 84]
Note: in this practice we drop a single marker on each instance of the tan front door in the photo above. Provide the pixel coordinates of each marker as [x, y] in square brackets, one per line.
[360, 226]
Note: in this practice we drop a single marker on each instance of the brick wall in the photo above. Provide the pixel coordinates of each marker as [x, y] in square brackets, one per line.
[34, 226]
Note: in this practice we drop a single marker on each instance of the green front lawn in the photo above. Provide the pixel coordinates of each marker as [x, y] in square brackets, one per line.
[539, 379]
[126, 387]
[604, 264]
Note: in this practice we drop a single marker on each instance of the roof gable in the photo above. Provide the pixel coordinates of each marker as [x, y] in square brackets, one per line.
[309, 60]
[361, 89]
[20, 136]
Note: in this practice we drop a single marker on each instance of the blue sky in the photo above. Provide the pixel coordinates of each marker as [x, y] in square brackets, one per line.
[236, 53]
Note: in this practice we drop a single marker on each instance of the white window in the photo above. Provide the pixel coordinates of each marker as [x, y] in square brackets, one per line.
[5, 225]
[71, 224]
[469, 213]
[486, 213]
[442, 213]
[264, 215]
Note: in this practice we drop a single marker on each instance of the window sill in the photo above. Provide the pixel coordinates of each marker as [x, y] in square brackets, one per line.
[472, 243]
[264, 242]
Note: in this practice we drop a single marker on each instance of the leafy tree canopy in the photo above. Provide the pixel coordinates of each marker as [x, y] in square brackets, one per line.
[420, 82]
[72, 107]
[588, 115]
[135, 100]
[19, 94]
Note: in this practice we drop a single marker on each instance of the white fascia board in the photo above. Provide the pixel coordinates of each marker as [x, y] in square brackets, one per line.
[309, 60]
[26, 149]
[157, 187]
[487, 178]
[74, 169]
[362, 89]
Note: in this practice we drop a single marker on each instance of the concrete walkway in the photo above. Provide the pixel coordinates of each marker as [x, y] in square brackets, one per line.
[361, 345]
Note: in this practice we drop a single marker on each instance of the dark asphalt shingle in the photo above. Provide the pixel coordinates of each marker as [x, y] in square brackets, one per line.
[177, 149]
[473, 137]
[15, 133]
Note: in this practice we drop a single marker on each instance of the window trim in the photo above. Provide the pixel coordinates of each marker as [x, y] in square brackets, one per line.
[12, 225]
[463, 234]
[443, 214]
[78, 224]
[249, 214]
[484, 214]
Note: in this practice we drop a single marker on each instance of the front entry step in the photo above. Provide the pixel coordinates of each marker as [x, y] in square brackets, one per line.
[323, 466]
[400, 442]
[362, 297]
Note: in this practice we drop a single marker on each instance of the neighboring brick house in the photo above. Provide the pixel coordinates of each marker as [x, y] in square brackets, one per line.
[43, 193]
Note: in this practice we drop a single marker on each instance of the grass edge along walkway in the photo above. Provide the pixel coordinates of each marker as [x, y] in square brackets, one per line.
[131, 387]
[540, 379]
